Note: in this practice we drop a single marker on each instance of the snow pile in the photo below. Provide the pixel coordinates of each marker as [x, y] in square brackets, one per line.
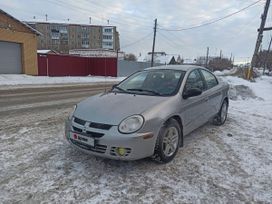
[250, 94]
[225, 72]
[16, 79]
[240, 92]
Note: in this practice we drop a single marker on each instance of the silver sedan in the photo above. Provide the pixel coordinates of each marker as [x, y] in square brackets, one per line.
[149, 113]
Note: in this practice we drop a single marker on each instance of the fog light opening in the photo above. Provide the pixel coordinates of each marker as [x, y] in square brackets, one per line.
[121, 151]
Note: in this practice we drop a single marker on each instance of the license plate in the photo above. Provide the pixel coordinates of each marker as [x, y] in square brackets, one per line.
[82, 138]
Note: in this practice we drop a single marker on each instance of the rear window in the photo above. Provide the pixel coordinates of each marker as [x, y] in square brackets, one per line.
[210, 79]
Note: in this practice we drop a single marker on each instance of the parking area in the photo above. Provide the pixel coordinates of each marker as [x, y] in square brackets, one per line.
[231, 163]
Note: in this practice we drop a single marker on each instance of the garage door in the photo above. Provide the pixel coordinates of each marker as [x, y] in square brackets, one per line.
[10, 58]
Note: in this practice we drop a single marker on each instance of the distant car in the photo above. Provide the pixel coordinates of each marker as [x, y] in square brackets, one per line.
[148, 113]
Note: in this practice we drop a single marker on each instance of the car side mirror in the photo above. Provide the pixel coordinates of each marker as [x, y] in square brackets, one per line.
[191, 93]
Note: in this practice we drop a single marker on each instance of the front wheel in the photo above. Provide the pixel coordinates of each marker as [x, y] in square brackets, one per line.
[221, 117]
[168, 142]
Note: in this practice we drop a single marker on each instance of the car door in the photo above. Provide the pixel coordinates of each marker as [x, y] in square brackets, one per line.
[212, 92]
[193, 108]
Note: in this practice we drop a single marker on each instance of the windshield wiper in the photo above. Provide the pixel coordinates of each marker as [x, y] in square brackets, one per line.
[145, 90]
[120, 89]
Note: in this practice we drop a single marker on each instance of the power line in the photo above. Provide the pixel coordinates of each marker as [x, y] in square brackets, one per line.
[127, 15]
[137, 41]
[213, 21]
[100, 18]
[170, 42]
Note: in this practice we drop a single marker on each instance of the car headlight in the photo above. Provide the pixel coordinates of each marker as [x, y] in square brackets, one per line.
[131, 124]
[72, 113]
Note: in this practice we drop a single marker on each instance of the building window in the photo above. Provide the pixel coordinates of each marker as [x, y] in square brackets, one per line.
[85, 35]
[108, 30]
[107, 37]
[85, 43]
[107, 44]
[55, 34]
[55, 42]
[63, 29]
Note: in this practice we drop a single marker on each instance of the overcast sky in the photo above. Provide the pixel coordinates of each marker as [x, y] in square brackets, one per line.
[135, 20]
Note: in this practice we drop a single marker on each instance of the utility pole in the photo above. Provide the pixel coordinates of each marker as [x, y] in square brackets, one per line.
[154, 40]
[207, 57]
[259, 38]
[267, 54]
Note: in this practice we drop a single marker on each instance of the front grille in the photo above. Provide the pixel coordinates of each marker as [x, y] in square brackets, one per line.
[94, 134]
[88, 133]
[79, 121]
[97, 148]
[113, 151]
[100, 126]
[77, 129]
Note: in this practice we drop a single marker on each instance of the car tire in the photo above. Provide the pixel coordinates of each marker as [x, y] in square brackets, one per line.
[221, 117]
[168, 142]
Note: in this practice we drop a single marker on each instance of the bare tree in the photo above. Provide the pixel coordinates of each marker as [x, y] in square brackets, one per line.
[218, 63]
[264, 59]
[130, 57]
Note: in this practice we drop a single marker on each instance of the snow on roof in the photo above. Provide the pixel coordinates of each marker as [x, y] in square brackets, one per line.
[65, 22]
[45, 51]
[163, 59]
[142, 58]
[188, 61]
[159, 57]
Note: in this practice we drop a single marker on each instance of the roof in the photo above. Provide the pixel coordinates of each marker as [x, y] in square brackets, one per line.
[65, 23]
[46, 51]
[160, 59]
[176, 67]
[163, 59]
[24, 24]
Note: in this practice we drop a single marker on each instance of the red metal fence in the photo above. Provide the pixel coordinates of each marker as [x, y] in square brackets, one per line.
[66, 65]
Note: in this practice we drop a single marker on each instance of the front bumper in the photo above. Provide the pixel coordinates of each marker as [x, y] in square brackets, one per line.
[136, 145]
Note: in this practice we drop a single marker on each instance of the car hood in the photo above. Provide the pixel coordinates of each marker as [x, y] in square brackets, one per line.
[112, 108]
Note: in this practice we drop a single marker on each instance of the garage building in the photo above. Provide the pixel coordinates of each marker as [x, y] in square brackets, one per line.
[18, 46]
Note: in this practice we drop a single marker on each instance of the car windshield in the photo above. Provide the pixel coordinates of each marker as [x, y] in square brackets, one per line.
[152, 82]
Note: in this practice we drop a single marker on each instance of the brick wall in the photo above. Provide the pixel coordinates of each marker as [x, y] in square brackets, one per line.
[13, 31]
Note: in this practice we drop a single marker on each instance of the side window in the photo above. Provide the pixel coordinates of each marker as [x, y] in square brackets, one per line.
[210, 79]
[194, 80]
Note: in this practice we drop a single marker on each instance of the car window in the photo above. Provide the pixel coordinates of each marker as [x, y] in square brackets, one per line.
[194, 80]
[163, 82]
[210, 79]
[137, 81]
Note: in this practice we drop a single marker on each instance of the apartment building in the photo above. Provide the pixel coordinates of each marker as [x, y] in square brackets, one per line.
[63, 37]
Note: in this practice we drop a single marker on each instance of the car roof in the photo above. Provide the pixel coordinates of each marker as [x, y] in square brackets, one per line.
[185, 68]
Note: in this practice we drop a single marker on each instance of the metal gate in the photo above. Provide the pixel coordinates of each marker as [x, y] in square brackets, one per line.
[10, 58]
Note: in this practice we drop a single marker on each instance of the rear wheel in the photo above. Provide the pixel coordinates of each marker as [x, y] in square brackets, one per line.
[221, 117]
[168, 142]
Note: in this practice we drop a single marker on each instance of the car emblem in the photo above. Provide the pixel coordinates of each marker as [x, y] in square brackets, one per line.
[84, 128]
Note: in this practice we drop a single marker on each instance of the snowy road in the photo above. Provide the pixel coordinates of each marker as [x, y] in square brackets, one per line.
[228, 164]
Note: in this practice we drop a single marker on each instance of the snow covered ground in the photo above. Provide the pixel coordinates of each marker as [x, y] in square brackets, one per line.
[23, 79]
[226, 164]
